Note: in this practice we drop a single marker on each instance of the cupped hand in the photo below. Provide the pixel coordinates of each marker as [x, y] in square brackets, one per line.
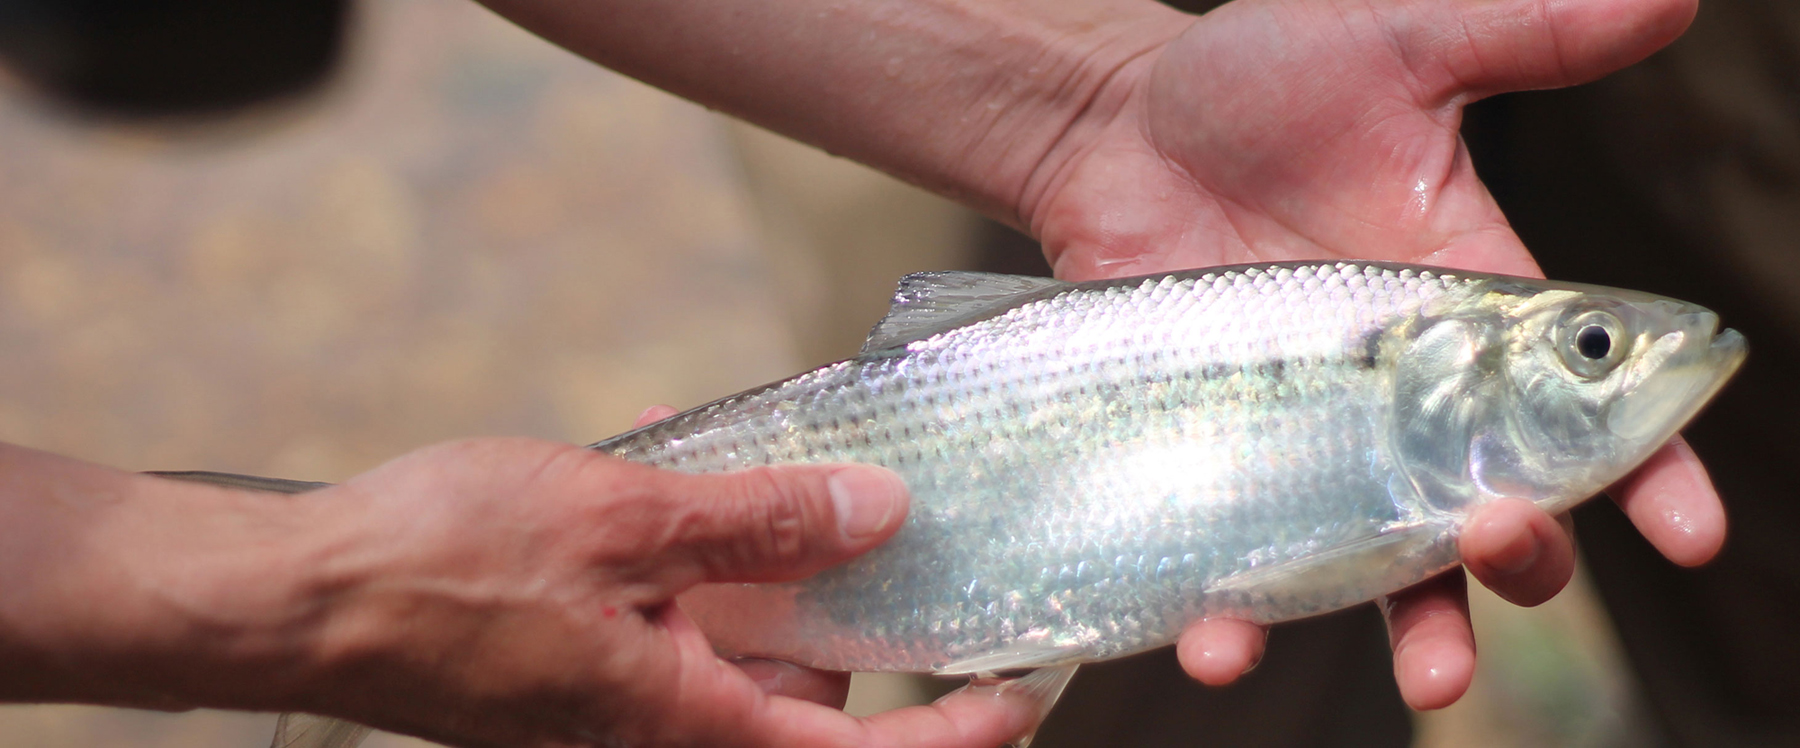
[1304, 129]
[522, 593]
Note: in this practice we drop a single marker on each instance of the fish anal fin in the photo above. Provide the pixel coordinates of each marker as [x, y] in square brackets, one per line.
[926, 304]
[1039, 689]
[294, 730]
[1022, 657]
[1341, 576]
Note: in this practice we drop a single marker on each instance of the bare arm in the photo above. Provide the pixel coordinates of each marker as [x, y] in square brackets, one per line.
[129, 590]
[487, 592]
[964, 97]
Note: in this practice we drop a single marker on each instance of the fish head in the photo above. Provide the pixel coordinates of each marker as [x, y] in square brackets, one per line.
[1551, 391]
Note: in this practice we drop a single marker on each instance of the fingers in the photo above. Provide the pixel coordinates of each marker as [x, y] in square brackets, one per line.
[1514, 45]
[1433, 641]
[653, 414]
[1216, 651]
[778, 678]
[769, 524]
[962, 720]
[1518, 551]
[1672, 502]
[708, 712]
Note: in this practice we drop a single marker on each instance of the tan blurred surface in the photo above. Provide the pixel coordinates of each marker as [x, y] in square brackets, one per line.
[472, 233]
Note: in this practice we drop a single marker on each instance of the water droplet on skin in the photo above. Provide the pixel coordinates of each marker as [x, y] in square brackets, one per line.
[1421, 197]
[1675, 520]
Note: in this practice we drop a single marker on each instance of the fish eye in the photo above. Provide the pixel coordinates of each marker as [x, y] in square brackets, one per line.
[1593, 343]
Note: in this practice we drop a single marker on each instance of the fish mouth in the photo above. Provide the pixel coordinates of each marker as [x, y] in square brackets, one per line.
[1676, 377]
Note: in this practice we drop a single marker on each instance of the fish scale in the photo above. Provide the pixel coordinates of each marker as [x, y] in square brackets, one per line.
[1183, 419]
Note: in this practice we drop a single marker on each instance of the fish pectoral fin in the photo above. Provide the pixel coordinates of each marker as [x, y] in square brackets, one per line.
[295, 730]
[926, 304]
[1025, 657]
[1402, 554]
[1039, 688]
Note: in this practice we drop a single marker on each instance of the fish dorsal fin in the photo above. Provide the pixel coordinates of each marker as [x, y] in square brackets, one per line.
[926, 304]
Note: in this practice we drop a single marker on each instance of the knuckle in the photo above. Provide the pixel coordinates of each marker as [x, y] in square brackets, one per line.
[772, 516]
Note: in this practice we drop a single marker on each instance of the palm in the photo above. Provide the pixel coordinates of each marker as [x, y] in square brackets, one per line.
[1294, 129]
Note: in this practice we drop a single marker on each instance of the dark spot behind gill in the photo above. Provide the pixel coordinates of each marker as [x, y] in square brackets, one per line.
[1371, 350]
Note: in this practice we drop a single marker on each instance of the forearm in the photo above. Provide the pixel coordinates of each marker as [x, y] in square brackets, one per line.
[117, 588]
[964, 97]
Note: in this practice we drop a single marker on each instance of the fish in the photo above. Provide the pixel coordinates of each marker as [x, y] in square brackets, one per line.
[1096, 465]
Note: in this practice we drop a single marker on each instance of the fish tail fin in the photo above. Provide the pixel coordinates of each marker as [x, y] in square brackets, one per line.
[1041, 688]
[246, 482]
[296, 730]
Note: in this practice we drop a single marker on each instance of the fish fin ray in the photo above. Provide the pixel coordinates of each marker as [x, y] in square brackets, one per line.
[1017, 658]
[1041, 688]
[926, 304]
[295, 730]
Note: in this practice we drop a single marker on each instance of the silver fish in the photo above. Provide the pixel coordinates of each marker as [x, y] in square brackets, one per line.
[1094, 466]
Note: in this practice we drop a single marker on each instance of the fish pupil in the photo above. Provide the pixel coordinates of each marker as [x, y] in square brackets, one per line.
[1593, 342]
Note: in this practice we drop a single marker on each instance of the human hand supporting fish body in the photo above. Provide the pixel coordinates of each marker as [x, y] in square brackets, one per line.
[598, 550]
[524, 586]
[1193, 168]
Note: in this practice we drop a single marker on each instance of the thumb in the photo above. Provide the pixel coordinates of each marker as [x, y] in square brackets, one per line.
[776, 523]
[1494, 46]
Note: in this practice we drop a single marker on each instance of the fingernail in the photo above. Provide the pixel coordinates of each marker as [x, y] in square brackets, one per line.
[1518, 555]
[865, 500]
[1257, 658]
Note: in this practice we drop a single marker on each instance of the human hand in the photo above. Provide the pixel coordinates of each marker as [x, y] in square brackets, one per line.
[775, 677]
[516, 592]
[1297, 129]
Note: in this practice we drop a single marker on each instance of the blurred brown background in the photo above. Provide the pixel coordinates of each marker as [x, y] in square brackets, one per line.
[468, 231]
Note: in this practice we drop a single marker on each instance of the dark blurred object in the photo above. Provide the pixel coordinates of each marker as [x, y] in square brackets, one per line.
[159, 58]
[1326, 681]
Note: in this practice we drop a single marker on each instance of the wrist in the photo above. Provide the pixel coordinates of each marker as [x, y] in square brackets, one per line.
[1066, 118]
[964, 98]
[1029, 85]
[137, 591]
